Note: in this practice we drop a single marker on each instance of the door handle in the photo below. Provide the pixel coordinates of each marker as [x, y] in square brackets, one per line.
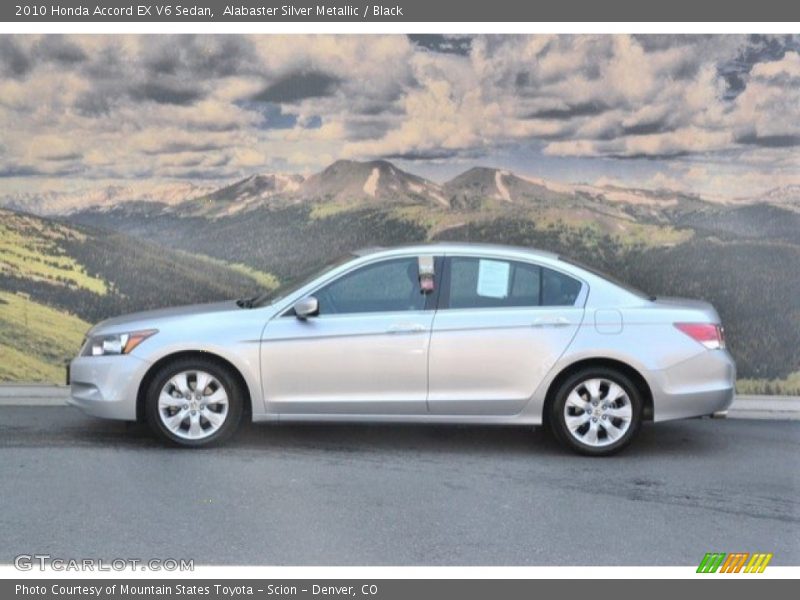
[407, 328]
[552, 322]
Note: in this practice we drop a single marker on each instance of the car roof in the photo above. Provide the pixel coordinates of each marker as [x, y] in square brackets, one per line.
[456, 248]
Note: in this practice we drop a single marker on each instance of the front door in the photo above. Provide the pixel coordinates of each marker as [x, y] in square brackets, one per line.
[500, 327]
[365, 353]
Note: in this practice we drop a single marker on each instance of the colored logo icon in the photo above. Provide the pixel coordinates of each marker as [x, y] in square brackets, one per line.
[736, 562]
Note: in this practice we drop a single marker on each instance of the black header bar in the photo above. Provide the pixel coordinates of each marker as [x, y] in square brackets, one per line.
[465, 11]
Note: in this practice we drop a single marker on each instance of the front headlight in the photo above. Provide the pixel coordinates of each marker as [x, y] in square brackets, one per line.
[119, 343]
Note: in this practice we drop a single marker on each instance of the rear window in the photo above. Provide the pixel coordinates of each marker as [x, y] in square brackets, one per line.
[610, 278]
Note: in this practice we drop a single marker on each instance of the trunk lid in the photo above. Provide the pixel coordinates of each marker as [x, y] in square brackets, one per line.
[705, 310]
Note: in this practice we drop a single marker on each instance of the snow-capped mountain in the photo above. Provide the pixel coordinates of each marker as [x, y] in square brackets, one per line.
[480, 183]
[349, 183]
[258, 186]
[787, 195]
[252, 191]
[374, 181]
[104, 197]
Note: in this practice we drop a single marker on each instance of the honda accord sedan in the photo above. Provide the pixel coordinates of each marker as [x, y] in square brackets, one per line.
[438, 333]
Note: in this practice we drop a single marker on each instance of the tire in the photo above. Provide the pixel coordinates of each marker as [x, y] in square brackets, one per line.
[586, 419]
[204, 418]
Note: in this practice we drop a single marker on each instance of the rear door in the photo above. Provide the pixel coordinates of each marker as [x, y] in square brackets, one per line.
[500, 327]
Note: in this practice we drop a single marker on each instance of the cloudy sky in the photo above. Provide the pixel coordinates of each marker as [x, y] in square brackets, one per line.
[717, 115]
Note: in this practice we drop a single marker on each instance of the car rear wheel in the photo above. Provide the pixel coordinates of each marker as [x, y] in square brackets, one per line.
[194, 402]
[596, 412]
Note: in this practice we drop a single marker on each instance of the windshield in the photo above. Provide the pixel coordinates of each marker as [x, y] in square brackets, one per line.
[610, 278]
[294, 283]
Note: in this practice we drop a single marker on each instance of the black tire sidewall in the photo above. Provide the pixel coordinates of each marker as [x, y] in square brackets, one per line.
[226, 379]
[558, 424]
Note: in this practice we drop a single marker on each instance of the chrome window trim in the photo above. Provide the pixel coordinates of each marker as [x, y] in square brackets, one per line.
[288, 301]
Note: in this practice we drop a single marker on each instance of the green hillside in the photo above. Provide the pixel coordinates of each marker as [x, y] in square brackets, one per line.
[36, 340]
[56, 279]
[789, 386]
[34, 248]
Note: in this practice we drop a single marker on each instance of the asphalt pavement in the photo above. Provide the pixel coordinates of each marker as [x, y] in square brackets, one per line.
[77, 487]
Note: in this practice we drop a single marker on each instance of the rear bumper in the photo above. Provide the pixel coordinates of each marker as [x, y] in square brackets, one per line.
[703, 385]
[106, 386]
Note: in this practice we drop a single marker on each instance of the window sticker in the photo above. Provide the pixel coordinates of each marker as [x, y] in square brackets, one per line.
[493, 277]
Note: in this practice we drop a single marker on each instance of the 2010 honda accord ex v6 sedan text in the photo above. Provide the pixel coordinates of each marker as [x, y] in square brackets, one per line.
[447, 333]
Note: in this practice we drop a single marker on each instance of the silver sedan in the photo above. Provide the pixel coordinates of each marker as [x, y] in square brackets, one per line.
[442, 333]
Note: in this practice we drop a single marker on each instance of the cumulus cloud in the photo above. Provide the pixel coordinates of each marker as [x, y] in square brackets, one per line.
[767, 112]
[223, 106]
[297, 86]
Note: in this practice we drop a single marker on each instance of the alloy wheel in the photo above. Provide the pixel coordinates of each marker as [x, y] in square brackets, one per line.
[598, 412]
[193, 405]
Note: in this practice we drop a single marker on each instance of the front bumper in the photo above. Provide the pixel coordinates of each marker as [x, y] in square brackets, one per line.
[703, 385]
[106, 386]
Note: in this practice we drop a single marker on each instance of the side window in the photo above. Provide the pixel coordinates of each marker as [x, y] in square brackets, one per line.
[493, 283]
[490, 283]
[387, 286]
[559, 289]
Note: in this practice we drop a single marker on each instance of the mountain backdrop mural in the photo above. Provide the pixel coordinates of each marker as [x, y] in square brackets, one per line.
[144, 171]
[116, 251]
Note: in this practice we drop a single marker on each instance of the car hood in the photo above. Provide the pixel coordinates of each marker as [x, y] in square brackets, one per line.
[152, 318]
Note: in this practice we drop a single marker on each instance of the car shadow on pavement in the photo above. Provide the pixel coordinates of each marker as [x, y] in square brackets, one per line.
[687, 437]
[678, 438]
[67, 426]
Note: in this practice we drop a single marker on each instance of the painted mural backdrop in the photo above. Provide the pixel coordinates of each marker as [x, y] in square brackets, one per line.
[138, 172]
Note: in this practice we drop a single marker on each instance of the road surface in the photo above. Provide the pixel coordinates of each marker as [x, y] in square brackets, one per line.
[75, 487]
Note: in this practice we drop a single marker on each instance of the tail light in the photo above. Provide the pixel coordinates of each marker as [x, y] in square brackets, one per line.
[711, 335]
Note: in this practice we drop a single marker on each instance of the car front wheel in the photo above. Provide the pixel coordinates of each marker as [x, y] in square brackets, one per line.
[194, 402]
[596, 412]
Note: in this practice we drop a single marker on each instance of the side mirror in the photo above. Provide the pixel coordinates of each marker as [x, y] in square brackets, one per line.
[306, 307]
